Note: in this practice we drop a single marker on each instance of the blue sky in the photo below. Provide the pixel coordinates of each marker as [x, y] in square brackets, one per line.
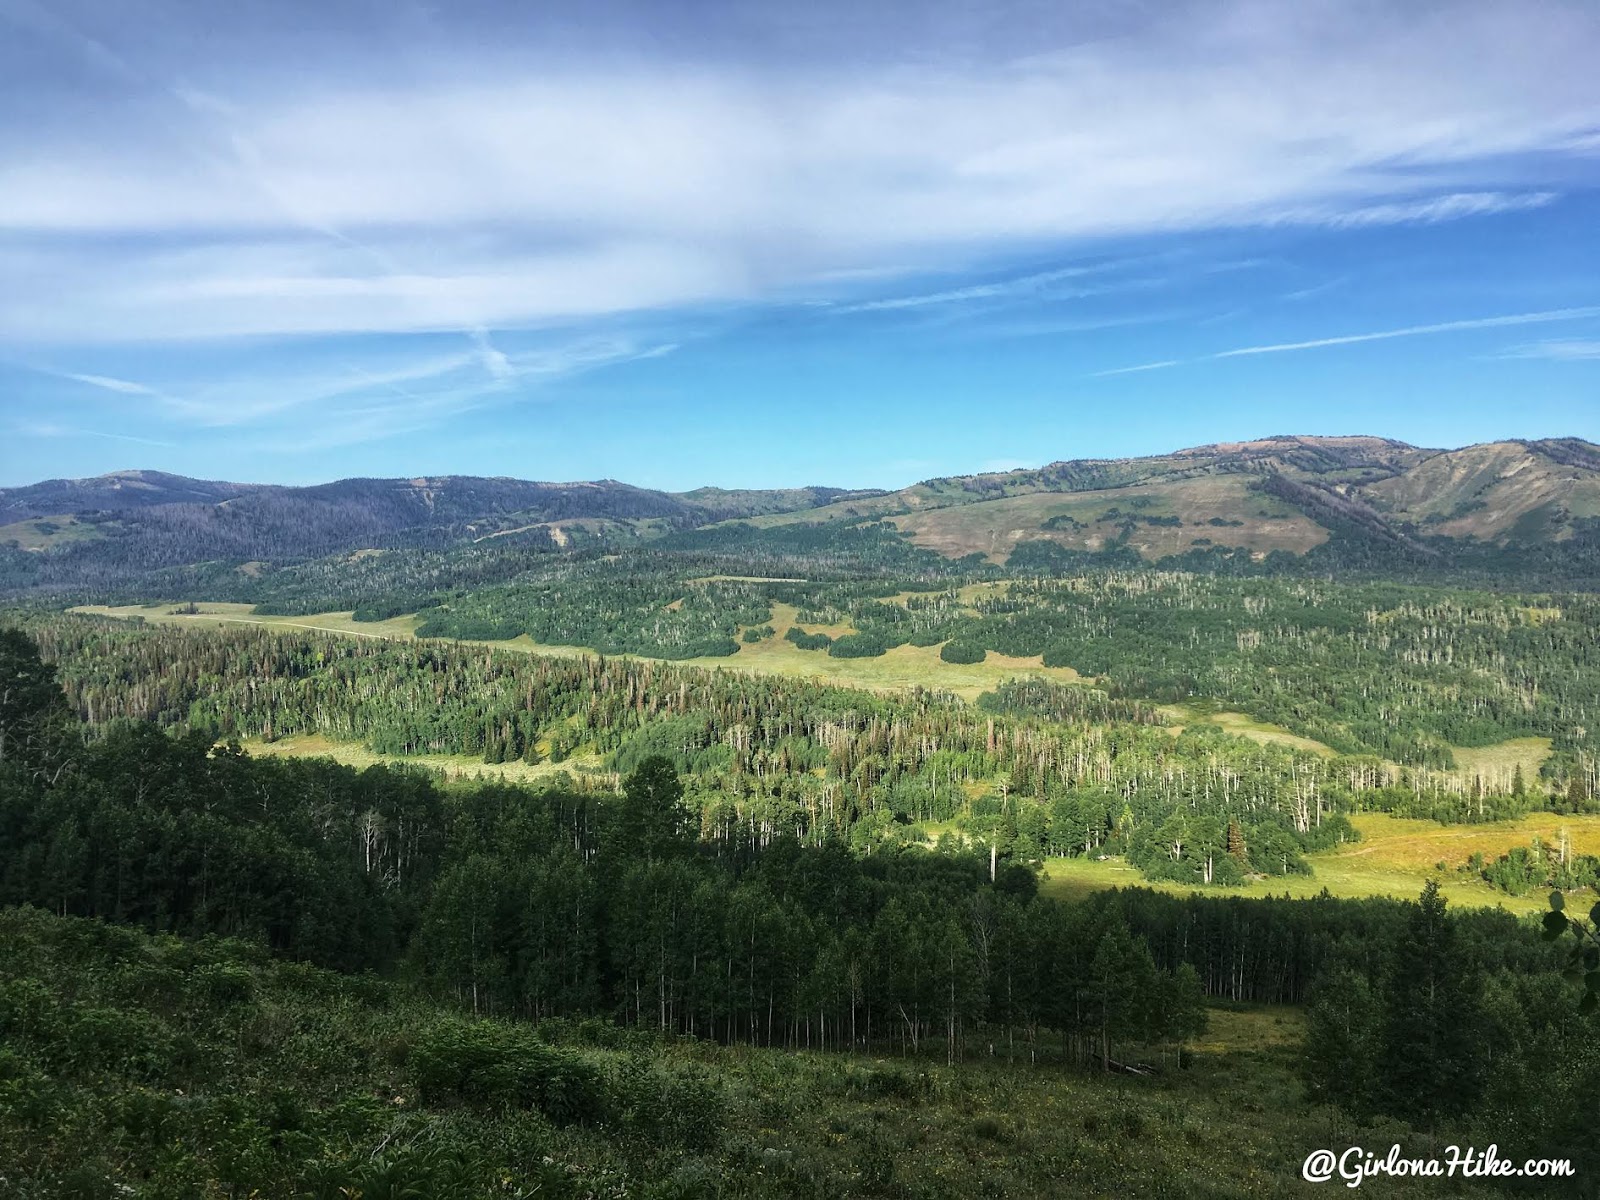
[760, 245]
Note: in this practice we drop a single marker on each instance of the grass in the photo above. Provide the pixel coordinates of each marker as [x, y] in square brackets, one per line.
[901, 669]
[1498, 763]
[452, 766]
[48, 533]
[1250, 1028]
[1241, 724]
[1395, 858]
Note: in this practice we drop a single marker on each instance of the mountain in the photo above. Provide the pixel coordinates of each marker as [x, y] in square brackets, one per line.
[119, 490]
[139, 520]
[1288, 493]
[1371, 498]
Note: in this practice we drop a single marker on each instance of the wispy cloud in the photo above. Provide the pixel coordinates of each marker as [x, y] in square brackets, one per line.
[318, 195]
[1149, 366]
[1426, 211]
[1530, 318]
[1317, 289]
[1511, 319]
[494, 362]
[1035, 284]
[108, 383]
[46, 429]
[1562, 350]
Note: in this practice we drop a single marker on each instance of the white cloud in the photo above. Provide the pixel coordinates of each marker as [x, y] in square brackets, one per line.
[1149, 366]
[1427, 211]
[296, 199]
[1530, 318]
[1497, 322]
[1035, 284]
[1561, 350]
[108, 383]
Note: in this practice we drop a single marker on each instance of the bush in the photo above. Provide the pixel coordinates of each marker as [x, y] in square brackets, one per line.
[483, 1064]
[808, 641]
[672, 1105]
[962, 652]
[859, 645]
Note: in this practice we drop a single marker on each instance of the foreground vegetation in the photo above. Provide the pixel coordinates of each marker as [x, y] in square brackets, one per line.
[488, 989]
[152, 1066]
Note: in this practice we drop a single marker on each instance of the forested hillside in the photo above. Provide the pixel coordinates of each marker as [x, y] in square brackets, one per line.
[504, 918]
[1034, 769]
[1287, 504]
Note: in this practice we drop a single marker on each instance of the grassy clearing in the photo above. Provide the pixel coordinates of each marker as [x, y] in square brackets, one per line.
[1251, 1028]
[901, 669]
[452, 766]
[1394, 858]
[1242, 724]
[217, 613]
[48, 533]
[1500, 761]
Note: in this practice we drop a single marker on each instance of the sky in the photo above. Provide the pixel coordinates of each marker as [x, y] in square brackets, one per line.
[762, 244]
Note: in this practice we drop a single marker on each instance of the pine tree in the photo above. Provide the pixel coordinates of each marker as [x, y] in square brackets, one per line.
[1342, 1042]
[1431, 1038]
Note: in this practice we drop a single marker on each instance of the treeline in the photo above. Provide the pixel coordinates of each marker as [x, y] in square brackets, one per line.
[1041, 774]
[549, 903]
[1416, 1027]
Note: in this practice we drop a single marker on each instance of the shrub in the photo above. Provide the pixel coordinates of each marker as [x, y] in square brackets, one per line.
[859, 645]
[483, 1064]
[962, 652]
[808, 641]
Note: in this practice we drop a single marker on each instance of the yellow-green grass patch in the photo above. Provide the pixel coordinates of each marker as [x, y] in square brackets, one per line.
[453, 766]
[1395, 858]
[1241, 724]
[1249, 1028]
[1497, 765]
[46, 533]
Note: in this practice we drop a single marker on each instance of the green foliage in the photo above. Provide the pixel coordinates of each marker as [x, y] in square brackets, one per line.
[962, 652]
[808, 641]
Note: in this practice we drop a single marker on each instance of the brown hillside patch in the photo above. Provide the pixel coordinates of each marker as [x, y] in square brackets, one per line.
[1485, 491]
[1092, 520]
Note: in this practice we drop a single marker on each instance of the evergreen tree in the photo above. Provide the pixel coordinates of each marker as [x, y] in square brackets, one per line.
[1343, 1042]
[1432, 1053]
[651, 818]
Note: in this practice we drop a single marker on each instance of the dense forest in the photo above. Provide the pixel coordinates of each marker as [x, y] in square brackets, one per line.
[525, 911]
[1035, 769]
[741, 931]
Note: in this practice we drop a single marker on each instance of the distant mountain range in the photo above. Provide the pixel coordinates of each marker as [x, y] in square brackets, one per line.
[1285, 493]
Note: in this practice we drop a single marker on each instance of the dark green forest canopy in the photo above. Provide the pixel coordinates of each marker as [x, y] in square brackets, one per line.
[553, 906]
[1035, 769]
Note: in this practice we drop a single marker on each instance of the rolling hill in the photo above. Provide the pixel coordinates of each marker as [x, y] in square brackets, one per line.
[1281, 493]
[1294, 495]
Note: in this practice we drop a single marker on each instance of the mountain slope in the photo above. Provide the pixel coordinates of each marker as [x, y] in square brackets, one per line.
[117, 491]
[1281, 493]
[1368, 499]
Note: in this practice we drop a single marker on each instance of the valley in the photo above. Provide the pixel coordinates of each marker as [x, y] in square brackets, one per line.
[1051, 824]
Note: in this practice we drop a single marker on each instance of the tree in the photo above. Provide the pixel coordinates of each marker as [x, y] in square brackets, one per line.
[34, 717]
[1431, 1039]
[651, 817]
[1121, 986]
[1342, 1044]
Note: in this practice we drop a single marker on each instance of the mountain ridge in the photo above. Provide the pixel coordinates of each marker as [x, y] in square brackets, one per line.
[1285, 493]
